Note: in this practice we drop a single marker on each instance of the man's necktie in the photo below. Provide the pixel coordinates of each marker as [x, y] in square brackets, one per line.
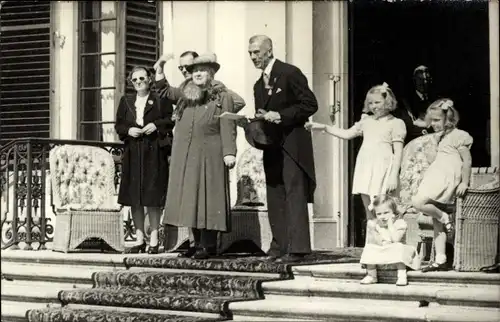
[265, 77]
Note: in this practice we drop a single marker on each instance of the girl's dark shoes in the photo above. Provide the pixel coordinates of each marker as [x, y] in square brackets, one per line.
[495, 268]
[435, 267]
[153, 249]
[137, 249]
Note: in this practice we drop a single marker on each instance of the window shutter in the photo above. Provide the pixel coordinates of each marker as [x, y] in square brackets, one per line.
[25, 54]
[142, 36]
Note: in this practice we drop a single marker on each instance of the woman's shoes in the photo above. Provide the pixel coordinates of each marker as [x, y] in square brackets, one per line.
[137, 249]
[435, 267]
[201, 253]
[153, 249]
[188, 253]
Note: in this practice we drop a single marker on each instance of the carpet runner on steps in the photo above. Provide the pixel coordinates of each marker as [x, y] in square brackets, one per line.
[182, 288]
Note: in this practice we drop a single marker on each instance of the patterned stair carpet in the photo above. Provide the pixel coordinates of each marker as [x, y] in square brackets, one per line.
[183, 287]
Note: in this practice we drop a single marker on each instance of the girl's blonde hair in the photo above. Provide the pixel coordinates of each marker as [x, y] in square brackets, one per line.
[444, 107]
[390, 102]
[390, 201]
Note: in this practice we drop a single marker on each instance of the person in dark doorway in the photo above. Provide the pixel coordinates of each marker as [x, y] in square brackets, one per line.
[144, 123]
[283, 104]
[185, 60]
[204, 146]
[414, 105]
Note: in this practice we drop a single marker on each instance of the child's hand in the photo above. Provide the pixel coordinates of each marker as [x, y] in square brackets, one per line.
[392, 183]
[311, 126]
[461, 189]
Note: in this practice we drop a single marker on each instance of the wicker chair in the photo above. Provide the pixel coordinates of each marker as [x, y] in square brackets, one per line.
[83, 188]
[477, 220]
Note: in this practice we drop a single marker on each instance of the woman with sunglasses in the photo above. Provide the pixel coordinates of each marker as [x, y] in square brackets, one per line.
[144, 123]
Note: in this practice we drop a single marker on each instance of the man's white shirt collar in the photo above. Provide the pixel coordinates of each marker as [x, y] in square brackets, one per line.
[269, 67]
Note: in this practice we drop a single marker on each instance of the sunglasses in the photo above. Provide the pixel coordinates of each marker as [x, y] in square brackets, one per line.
[182, 67]
[135, 80]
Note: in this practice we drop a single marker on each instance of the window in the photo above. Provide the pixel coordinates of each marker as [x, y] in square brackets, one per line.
[114, 36]
[25, 65]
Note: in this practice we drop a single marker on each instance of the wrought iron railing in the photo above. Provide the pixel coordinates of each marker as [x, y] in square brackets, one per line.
[24, 167]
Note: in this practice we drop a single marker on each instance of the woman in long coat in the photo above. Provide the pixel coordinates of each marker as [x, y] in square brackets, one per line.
[203, 146]
[144, 123]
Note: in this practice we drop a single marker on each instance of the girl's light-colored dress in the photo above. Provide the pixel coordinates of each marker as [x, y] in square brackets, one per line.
[444, 174]
[375, 253]
[374, 160]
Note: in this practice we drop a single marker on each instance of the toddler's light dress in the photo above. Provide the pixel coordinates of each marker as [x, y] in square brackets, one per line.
[374, 253]
[444, 174]
[374, 159]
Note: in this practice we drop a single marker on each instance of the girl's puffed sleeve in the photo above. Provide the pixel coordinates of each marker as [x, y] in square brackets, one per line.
[359, 124]
[462, 140]
[398, 130]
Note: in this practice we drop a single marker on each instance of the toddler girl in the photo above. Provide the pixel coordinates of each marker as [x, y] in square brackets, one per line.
[385, 242]
[379, 158]
[447, 176]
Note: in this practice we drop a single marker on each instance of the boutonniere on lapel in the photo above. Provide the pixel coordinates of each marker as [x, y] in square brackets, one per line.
[150, 102]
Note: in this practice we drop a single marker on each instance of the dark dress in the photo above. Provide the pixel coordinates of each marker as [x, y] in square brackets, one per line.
[144, 177]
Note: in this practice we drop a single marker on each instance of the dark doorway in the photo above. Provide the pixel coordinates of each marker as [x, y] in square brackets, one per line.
[389, 39]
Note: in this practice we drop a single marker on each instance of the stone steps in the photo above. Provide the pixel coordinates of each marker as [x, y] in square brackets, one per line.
[14, 311]
[39, 292]
[327, 292]
[468, 295]
[332, 292]
[347, 309]
[354, 272]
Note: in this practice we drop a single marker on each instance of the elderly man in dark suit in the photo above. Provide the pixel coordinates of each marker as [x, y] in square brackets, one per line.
[284, 102]
[415, 103]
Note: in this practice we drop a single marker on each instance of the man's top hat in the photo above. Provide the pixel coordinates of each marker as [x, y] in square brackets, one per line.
[262, 134]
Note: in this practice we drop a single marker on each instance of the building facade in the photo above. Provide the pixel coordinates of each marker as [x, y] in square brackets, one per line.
[64, 68]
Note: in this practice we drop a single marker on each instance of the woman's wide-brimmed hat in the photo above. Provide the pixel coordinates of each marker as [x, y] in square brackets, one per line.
[262, 134]
[208, 59]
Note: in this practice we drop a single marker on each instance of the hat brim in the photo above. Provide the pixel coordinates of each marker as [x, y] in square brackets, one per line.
[215, 66]
[262, 135]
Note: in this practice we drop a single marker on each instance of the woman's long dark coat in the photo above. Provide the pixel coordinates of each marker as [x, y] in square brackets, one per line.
[144, 177]
[198, 178]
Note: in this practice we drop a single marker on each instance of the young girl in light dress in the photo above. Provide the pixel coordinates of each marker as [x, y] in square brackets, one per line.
[447, 176]
[379, 158]
[386, 242]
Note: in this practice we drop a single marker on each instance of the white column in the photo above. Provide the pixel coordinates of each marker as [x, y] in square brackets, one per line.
[228, 41]
[168, 37]
[330, 86]
[188, 32]
[493, 10]
[64, 107]
[299, 37]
